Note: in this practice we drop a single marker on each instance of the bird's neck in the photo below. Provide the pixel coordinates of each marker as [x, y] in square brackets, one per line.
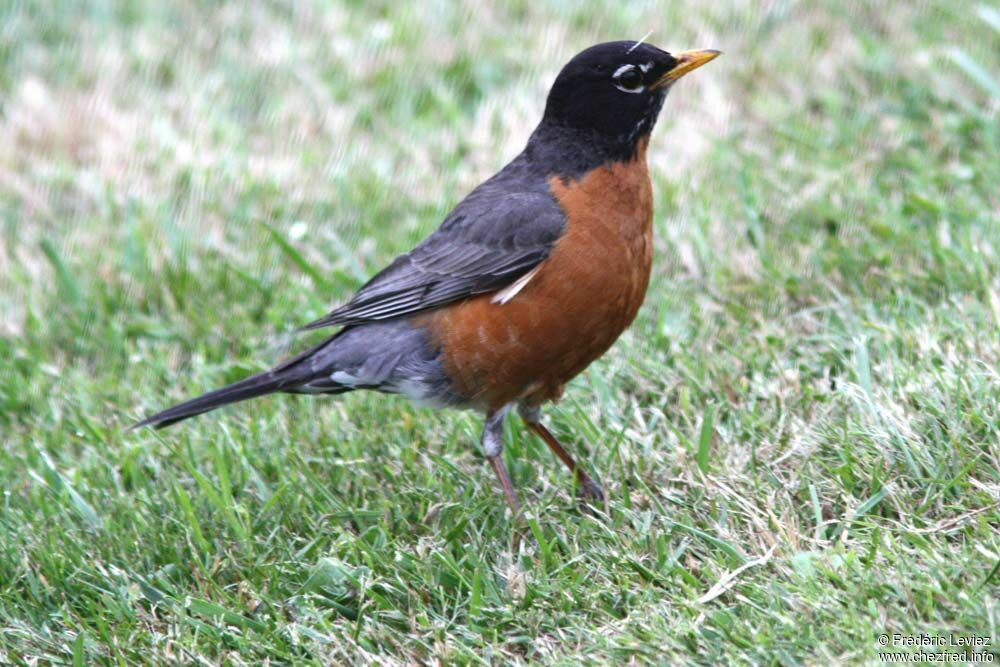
[572, 152]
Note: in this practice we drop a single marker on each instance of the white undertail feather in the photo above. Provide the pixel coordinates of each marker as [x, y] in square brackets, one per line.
[509, 292]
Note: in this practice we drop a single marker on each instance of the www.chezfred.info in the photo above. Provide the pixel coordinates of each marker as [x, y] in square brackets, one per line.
[925, 648]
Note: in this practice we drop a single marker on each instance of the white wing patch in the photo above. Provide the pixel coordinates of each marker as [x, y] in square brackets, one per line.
[509, 292]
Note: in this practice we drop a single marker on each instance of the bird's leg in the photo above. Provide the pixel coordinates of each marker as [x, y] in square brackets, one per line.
[586, 487]
[493, 448]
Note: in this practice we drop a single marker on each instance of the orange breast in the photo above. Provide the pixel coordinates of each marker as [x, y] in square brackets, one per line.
[571, 311]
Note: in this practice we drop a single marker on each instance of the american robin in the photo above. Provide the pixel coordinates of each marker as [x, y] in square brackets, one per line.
[527, 281]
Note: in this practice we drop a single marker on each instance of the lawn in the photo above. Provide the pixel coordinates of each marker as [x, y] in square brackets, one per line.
[799, 436]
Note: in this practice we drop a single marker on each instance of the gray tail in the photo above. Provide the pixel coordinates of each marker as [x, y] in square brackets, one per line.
[285, 377]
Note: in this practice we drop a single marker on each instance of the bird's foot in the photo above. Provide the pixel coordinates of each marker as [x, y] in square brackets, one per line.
[590, 491]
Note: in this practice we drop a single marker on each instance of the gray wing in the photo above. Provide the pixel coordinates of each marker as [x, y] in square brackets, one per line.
[491, 239]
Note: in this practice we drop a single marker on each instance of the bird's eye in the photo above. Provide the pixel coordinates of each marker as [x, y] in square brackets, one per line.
[628, 78]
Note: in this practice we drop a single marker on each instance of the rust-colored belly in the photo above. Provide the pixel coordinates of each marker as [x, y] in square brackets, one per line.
[574, 308]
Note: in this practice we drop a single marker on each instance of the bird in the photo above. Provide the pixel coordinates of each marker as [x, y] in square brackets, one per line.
[527, 281]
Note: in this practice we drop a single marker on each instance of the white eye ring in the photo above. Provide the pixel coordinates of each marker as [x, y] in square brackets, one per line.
[619, 72]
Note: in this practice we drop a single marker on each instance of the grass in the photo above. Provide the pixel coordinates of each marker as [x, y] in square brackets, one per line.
[799, 435]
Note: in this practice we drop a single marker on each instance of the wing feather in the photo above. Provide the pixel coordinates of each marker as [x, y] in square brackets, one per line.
[491, 240]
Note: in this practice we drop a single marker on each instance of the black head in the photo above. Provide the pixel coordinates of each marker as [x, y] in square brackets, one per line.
[614, 91]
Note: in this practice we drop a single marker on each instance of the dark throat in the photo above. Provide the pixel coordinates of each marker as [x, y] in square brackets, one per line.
[572, 152]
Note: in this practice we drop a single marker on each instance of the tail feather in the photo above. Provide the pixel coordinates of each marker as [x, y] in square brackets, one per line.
[283, 378]
[392, 356]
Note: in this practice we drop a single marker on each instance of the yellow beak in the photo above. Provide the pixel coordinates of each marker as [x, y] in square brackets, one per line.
[686, 62]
